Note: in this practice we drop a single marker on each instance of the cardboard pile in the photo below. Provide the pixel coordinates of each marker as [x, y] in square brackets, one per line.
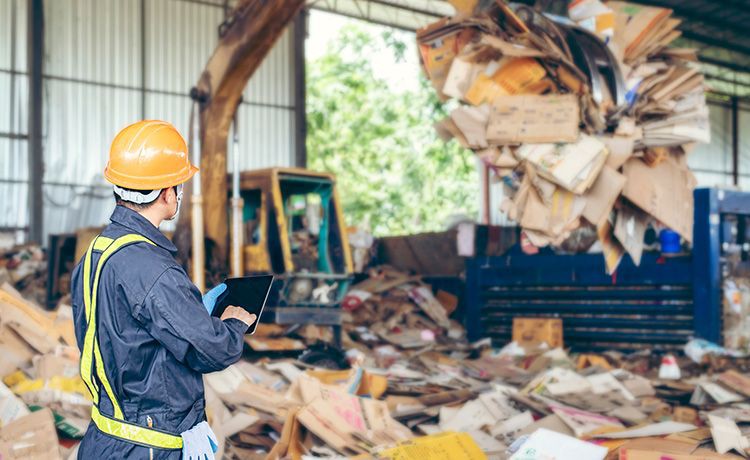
[24, 268]
[532, 402]
[393, 309]
[41, 393]
[577, 146]
[737, 313]
[413, 389]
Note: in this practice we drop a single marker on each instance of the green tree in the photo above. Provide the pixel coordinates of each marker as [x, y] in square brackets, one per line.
[392, 170]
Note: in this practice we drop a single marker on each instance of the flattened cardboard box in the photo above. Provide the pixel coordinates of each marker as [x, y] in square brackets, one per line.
[573, 166]
[533, 119]
[443, 446]
[508, 76]
[438, 53]
[32, 437]
[535, 330]
[630, 230]
[603, 194]
[664, 191]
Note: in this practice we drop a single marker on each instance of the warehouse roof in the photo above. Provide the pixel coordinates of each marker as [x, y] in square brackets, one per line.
[717, 29]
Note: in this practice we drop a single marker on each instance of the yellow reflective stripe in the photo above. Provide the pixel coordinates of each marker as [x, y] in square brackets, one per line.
[111, 249]
[90, 344]
[134, 433]
[87, 279]
[101, 243]
[105, 382]
[116, 427]
[86, 358]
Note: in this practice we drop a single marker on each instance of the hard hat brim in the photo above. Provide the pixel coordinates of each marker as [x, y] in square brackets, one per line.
[149, 183]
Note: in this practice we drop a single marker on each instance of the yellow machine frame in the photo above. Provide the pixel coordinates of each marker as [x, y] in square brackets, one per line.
[257, 257]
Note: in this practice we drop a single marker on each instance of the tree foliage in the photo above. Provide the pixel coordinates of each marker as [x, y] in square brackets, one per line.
[392, 170]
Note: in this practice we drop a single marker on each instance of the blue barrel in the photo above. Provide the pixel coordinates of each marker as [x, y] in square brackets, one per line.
[670, 241]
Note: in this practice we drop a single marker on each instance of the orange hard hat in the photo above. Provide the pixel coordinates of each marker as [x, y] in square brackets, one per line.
[149, 155]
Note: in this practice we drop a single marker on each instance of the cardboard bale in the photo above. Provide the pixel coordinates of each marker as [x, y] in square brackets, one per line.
[541, 104]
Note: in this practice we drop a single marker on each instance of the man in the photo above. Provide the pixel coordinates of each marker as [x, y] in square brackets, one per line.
[145, 335]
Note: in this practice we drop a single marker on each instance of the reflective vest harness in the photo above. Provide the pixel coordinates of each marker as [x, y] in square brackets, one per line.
[92, 364]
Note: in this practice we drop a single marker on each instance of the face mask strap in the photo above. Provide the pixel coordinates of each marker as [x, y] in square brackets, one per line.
[178, 190]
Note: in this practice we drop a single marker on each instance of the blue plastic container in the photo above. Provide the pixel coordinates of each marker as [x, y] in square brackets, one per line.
[670, 241]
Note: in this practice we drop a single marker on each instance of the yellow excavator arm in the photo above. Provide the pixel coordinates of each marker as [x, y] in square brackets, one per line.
[246, 37]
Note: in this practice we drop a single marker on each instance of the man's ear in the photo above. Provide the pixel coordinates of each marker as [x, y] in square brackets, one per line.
[165, 195]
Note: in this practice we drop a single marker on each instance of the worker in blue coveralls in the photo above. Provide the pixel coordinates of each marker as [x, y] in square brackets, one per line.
[145, 333]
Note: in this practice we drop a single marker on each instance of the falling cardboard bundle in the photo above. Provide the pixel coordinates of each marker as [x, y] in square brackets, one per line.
[586, 122]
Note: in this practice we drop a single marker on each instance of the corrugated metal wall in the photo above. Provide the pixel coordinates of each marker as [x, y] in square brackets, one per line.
[13, 115]
[712, 163]
[107, 64]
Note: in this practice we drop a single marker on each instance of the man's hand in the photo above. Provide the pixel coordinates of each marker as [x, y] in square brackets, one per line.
[240, 314]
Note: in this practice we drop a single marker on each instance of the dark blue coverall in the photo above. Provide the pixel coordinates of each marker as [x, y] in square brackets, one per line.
[156, 339]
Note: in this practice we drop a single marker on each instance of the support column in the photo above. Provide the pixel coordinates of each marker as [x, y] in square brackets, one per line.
[35, 54]
[299, 33]
[735, 143]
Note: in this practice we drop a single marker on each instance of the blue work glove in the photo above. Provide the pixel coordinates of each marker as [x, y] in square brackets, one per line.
[209, 299]
[199, 443]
